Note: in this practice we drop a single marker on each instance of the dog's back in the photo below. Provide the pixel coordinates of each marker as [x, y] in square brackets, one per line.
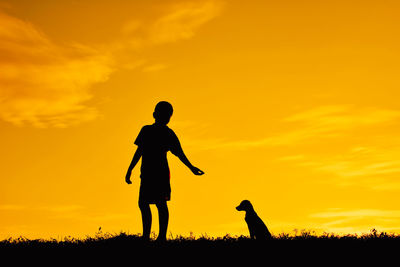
[257, 228]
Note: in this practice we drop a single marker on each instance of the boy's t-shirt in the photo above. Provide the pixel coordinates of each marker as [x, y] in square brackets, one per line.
[155, 141]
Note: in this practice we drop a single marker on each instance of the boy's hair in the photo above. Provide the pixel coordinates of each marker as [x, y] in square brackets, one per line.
[164, 108]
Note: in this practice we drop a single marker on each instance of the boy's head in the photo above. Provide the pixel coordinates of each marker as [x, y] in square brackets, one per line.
[163, 112]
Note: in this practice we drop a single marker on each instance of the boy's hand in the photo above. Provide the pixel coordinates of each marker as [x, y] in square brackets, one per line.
[128, 178]
[196, 171]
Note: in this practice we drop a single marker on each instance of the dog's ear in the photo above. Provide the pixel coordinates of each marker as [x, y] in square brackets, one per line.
[247, 205]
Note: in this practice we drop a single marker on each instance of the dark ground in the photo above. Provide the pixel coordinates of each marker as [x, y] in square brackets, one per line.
[121, 249]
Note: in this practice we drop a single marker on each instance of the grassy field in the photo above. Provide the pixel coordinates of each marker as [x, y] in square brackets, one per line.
[303, 247]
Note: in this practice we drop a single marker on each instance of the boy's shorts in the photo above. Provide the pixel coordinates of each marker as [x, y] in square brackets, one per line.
[153, 191]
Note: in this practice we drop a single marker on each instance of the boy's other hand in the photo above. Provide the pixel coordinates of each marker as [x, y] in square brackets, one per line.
[196, 171]
[128, 178]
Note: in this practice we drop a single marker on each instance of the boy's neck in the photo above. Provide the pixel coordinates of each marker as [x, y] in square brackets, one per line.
[159, 124]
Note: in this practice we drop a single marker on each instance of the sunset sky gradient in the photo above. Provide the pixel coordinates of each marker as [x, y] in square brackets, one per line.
[293, 105]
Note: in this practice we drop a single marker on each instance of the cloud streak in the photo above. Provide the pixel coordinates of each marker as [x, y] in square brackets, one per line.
[47, 84]
[339, 220]
[314, 125]
[376, 168]
[358, 213]
[180, 22]
[44, 83]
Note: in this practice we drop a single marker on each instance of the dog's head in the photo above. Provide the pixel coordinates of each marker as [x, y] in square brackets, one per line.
[245, 205]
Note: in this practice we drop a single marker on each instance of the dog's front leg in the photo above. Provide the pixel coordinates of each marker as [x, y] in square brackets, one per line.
[252, 234]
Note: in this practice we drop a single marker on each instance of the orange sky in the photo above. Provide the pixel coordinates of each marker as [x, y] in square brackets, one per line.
[292, 105]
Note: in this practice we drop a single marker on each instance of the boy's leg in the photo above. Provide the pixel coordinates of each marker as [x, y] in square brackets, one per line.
[146, 218]
[163, 216]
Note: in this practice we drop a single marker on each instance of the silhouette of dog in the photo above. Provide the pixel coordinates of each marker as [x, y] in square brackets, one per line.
[257, 228]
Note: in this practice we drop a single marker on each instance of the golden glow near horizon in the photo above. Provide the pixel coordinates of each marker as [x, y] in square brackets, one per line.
[292, 105]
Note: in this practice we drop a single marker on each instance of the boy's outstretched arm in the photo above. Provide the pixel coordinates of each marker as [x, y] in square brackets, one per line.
[134, 161]
[181, 155]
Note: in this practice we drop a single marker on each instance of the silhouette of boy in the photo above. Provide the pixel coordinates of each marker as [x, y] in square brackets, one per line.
[154, 141]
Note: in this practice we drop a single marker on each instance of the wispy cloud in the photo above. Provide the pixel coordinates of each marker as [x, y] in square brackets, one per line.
[358, 220]
[292, 157]
[183, 20]
[372, 167]
[314, 125]
[48, 84]
[11, 207]
[155, 67]
[44, 83]
[333, 121]
[61, 208]
[50, 208]
[338, 213]
[341, 117]
[179, 22]
[375, 166]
